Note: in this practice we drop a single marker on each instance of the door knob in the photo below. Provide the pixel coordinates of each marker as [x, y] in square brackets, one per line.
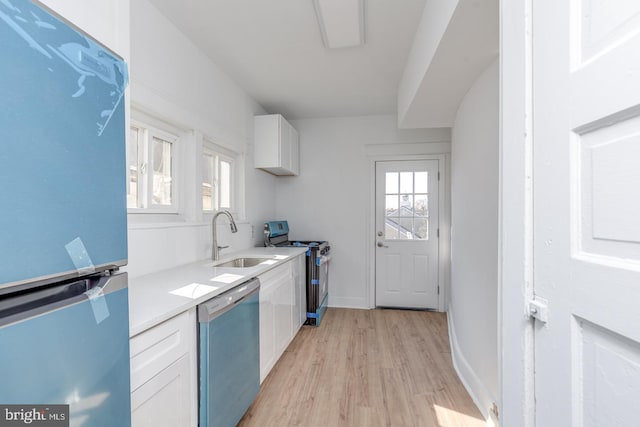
[382, 245]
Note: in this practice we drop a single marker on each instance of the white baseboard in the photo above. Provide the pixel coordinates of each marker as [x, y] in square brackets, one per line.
[467, 375]
[347, 302]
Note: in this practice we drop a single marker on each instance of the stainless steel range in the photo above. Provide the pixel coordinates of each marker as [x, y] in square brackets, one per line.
[276, 233]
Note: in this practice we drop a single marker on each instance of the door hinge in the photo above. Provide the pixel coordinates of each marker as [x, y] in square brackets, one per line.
[438, 289]
[539, 309]
[494, 410]
[438, 175]
[438, 233]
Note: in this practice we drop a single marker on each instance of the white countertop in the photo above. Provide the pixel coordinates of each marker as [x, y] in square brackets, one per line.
[151, 300]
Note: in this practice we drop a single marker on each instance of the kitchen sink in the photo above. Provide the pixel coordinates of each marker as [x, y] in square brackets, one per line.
[242, 262]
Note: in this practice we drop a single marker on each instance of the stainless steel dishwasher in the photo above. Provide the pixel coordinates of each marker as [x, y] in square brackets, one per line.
[229, 351]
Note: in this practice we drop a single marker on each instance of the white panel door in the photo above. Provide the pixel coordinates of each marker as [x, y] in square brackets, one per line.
[586, 175]
[407, 234]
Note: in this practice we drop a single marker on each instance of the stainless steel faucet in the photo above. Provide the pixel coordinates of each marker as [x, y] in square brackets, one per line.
[215, 249]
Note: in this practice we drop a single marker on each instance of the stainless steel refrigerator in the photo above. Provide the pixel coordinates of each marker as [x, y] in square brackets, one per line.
[63, 225]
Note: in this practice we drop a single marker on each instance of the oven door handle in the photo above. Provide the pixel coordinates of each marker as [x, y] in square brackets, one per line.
[323, 259]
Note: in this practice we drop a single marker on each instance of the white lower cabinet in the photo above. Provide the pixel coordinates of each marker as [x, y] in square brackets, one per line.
[164, 374]
[279, 311]
[164, 359]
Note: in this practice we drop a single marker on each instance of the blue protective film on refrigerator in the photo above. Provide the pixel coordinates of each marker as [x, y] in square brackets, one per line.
[65, 357]
[62, 139]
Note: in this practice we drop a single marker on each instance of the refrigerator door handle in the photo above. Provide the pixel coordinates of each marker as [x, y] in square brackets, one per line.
[25, 305]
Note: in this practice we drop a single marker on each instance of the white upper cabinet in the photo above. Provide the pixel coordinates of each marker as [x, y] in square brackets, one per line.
[276, 145]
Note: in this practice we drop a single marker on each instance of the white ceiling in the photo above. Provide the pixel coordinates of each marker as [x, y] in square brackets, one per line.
[273, 49]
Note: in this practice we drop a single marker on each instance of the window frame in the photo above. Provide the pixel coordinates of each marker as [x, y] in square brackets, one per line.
[219, 153]
[153, 128]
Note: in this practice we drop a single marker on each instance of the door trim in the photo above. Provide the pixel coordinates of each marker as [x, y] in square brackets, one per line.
[515, 244]
[444, 204]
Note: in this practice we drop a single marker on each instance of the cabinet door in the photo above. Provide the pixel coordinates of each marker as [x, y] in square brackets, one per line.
[294, 148]
[164, 400]
[276, 311]
[266, 141]
[283, 309]
[285, 144]
[267, 333]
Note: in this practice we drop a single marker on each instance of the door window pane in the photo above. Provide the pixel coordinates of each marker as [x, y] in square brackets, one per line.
[391, 205]
[407, 206]
[422, 182]
[421, 205]
[421, 228]
[391, 182]
[406, 182]
[162, 182]
[405, 228]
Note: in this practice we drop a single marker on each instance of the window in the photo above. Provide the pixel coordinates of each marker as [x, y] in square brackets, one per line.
[151, 169]
[407, 206]
[217, 178]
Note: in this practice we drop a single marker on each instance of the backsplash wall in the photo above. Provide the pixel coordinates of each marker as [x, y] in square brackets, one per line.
[159, 247]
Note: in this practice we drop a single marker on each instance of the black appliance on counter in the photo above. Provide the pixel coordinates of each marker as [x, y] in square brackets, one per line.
[276, 233]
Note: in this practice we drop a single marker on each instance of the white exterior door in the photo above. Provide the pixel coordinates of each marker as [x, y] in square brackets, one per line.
[407, 234]
[586, 180]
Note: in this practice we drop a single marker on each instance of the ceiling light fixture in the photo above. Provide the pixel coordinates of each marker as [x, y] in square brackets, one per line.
[341, 22]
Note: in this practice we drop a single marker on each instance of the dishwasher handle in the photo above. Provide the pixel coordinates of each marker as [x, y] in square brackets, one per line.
[224, 302]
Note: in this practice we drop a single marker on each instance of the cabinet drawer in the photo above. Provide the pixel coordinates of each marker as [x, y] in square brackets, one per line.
[153, 350]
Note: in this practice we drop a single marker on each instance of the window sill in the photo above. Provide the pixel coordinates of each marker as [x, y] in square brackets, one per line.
[209, 214]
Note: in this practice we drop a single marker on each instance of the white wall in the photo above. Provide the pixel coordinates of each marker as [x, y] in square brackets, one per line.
[107, 22]
[474, 218]
[330, 198]
[175, 81]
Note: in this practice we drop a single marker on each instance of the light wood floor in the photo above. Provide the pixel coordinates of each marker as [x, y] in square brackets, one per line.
[366, 368]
